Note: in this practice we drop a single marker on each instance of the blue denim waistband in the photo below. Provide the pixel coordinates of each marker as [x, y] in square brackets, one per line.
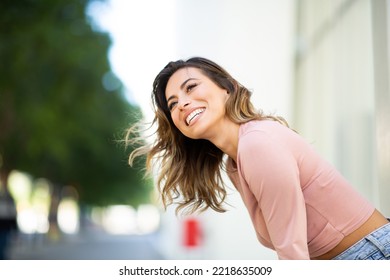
[374, 246]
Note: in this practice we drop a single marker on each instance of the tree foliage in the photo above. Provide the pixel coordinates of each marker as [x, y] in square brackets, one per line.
[57, 120]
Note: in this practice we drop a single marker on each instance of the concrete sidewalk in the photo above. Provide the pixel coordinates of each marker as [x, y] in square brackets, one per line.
[90, 244]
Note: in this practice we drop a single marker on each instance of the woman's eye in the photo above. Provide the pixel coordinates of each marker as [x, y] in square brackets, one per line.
[190, 87]
[172, 105]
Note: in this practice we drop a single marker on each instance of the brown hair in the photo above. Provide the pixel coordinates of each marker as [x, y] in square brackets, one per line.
[191, 169]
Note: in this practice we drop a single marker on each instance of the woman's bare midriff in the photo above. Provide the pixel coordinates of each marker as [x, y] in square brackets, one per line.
[375, 221]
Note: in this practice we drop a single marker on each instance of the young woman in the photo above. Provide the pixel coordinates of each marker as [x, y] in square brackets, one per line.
[300, 205]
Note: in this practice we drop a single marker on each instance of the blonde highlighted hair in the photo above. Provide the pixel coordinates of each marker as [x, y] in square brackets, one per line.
[190, 171]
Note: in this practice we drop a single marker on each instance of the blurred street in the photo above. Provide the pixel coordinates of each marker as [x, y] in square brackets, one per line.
[91, 244]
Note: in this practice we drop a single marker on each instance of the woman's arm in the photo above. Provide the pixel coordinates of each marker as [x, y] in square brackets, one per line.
[272, 174]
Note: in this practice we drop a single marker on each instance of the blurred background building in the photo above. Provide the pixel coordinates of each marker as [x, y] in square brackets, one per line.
[322, 64]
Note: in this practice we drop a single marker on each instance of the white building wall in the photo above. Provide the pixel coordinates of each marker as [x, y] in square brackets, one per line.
[335, 91]
[381, 49]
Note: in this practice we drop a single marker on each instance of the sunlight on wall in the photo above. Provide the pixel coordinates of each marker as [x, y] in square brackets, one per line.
[33, 200]
[120, 219]
[68, 216]
[125, 219]
[20, 185]
[148, 218]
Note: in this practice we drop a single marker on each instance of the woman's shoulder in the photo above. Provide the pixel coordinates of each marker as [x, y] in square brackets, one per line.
[268, 133]
[261, 126]
[258, 131]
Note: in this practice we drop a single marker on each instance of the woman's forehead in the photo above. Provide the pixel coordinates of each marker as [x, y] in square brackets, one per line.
[185, 73]
[177, 79]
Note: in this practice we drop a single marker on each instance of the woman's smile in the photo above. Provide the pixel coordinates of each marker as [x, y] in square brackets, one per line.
[194, 115]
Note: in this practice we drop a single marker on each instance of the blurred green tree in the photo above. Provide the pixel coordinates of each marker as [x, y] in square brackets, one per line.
[61, 107]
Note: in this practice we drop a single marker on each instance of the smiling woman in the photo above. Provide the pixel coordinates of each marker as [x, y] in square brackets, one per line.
[299, 204]
[189, 150]
[189, 167]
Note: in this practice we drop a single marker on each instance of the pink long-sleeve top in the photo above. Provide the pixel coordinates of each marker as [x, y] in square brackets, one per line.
[299, 204]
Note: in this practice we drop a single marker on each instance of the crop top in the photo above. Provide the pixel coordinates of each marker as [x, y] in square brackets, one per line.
[299, 204]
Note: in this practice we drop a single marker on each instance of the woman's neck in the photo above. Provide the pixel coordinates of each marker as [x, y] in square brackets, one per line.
[226, 139]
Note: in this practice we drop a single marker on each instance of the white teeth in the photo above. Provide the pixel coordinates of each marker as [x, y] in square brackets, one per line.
[193, 115]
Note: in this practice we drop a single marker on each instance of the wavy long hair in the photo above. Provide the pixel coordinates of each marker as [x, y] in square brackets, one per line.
[190, 171]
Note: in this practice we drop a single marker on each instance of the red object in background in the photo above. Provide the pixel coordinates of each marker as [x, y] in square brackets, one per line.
[192, 233]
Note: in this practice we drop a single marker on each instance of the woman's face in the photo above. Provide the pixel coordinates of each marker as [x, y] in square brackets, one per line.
[196, 103]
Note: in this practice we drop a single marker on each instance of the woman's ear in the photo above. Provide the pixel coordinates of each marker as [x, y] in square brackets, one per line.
[227, 95]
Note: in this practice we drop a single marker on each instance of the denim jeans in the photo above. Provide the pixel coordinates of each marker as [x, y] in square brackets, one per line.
[375, 246]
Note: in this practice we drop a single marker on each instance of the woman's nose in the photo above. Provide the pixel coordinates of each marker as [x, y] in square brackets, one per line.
[183, 102]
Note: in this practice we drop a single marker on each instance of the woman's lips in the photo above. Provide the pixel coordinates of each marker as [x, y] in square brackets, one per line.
[194, 114]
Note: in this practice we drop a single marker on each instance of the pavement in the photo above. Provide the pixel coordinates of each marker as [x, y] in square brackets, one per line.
[90, 244]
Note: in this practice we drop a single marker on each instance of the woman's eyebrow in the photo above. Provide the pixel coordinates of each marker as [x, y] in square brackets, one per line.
[184, 83]
[171, 97]
[181, 87]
